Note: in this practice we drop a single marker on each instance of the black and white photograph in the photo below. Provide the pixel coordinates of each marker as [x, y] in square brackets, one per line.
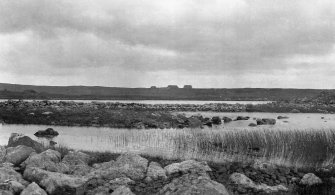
[167, 97]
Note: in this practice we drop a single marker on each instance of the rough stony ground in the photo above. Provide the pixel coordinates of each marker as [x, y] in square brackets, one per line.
[25, 171]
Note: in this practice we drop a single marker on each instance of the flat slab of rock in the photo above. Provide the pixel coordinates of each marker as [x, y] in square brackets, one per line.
[190, 184]
[33, 189]
[18, 154]
[56, 183]
[188, 166]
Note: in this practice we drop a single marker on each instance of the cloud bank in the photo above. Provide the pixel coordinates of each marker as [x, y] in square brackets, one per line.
[133, 43]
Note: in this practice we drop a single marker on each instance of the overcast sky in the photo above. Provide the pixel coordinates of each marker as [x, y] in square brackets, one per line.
[139, 43]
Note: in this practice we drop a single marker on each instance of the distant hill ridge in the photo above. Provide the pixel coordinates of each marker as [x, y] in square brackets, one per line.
[97, 92]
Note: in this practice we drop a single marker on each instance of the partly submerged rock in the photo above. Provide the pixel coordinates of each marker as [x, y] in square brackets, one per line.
[188, 166]
[49, 132]
[252, 125]
[33, 189]
[155, 171]
[18, 154]
[239, 118]
[17, 139]
[266, 121]
[245, 182]
[216, 120]
[56, 183]
[283, 117]
[227, 119]
[189, 184]
[310, 179]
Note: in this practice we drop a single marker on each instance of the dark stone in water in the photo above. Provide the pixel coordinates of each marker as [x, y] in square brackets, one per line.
[282, 117]
[49, 132]
[266, 121]
[226, 119]
[252, 125]
[239, 118]
[216, 120]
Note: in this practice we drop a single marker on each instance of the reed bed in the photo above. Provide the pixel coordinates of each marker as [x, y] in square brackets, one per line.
[297, 148]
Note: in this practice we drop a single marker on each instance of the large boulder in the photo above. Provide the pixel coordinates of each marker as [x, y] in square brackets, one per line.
[189, 184]
[17, 139]
[48, 160]
[33, 189]
[245, 182]
[132, 166]
[77, 163]
[155, 171]
[49, 132]
[56, 183]
[310, 179]
[266, 121]
[188, 166]
[18, 154]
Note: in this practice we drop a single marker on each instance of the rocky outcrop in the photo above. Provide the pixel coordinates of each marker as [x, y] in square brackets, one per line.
[33, 189]
[266, 121]
[17, 139]
[49, 132]
[155, 171]
[56, 183]
[194, 184]
[244, 182]
[18, 154]
[188, 166]
[9, 174]
[310, 179]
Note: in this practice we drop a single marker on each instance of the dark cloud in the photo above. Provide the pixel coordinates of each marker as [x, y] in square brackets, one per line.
[241, 38]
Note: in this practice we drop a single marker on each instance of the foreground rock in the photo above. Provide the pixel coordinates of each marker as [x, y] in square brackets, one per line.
[243, 181]
[9, 174]
[33, 189]
[56, 183]
[77, 163]
[17, 139]
[18, 154]
[48, 160]
[123, 190]
[11, 187]
[155, 172]
[126, 165]
[49, 132]
[188, 166]
[194, 184]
